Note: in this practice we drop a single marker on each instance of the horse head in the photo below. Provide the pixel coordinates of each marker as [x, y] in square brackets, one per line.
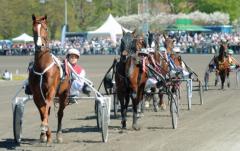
[222, 51]
[153, 41]
[126, 44]
[169, 44]
[40, 30]
[138, 43]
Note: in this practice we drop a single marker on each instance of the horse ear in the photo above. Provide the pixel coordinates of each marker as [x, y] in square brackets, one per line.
[45, 16]
[33, 17]
[134, 32]
[123, 31]
[164, 35]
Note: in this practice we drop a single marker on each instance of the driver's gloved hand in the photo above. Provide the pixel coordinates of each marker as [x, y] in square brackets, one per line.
[159, 84]
[86, 89]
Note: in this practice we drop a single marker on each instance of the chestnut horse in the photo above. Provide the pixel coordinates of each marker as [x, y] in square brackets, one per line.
[45, 80]
[136, 73]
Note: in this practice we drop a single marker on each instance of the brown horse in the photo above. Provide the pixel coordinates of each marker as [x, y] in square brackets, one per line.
[165, 64]
[45, 80]
[136, 72]
[222, 64]
[122, 86]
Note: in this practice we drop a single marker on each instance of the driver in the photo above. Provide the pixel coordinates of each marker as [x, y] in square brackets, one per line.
[78, 85]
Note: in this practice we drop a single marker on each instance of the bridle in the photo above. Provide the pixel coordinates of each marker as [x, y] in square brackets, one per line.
[41, 41]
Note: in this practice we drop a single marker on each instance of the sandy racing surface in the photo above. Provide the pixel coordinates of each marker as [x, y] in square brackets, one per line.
[213, 126]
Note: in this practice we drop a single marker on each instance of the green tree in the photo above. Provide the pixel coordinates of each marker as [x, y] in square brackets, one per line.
[231, 7]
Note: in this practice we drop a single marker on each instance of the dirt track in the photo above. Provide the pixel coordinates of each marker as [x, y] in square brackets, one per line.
[213, 126]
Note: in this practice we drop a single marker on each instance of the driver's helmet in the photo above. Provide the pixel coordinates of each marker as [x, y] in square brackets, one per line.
[176, 50]
[143, 51]
[150, 50]
[162, 49]
[73, 51]
[230, 51]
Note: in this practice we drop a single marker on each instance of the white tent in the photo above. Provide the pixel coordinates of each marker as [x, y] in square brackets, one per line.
[110, 27]
[23, 38]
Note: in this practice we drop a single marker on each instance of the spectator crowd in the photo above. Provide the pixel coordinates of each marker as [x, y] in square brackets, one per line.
[199, 43]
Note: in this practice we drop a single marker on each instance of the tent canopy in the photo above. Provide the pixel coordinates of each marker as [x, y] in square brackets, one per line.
[110, 26]
[23, 38]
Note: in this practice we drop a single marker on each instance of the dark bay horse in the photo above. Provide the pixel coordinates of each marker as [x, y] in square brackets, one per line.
[122, 87]
[45, 80]
[222, 64]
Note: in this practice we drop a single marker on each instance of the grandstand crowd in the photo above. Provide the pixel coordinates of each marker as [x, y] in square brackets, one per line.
[197, 43]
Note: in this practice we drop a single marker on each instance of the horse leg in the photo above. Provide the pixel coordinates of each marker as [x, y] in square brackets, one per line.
[43, 136]
[228, 80]
[216, 78]
[121, 98]
[161, 101]
[222, 76]
[135, 103]
[135, 125]
[44, 126]
[62, 105]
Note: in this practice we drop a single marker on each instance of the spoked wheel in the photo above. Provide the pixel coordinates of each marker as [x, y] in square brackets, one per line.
[174, 108]
[99, 114]
[189, 96]
[104, 124]
[201, 92]
[17, 122]
[102, 120]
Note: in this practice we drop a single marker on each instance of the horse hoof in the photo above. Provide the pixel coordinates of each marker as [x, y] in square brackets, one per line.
[135, 127]
[43, 138]
[59, 138]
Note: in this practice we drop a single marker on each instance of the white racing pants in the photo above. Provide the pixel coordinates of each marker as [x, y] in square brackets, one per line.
[76, 87]
[151, 83]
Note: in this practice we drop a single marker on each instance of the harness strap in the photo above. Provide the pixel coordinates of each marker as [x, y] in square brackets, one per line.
[41, 74]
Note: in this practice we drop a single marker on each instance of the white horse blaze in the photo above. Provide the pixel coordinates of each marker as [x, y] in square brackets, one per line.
[39, 40]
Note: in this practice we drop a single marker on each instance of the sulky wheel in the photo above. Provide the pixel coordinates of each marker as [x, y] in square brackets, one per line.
[104, 122]
[98, 114]
[17, 122]
[174, 105]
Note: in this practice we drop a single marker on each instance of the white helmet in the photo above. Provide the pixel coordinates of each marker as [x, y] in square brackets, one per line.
[162, 49]
[73, 51]
[150, 50]
[144, 51]
[176, 49]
